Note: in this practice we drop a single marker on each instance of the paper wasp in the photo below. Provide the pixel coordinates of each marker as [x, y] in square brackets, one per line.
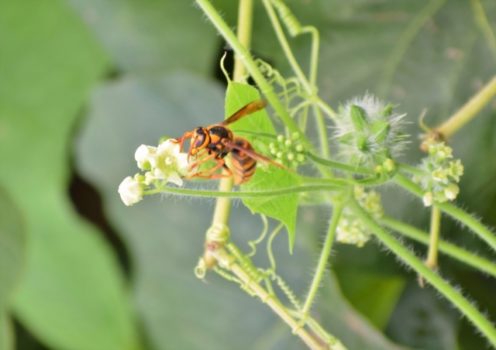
[216, 141]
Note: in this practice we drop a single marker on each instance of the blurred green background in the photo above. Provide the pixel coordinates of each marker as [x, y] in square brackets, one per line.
[84, 82]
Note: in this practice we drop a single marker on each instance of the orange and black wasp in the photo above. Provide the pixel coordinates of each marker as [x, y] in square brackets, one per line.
[216, 141]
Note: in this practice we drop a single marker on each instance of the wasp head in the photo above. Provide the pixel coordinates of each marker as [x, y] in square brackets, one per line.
[200, 140]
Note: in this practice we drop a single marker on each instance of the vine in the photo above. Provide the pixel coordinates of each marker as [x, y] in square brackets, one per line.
[369, 138]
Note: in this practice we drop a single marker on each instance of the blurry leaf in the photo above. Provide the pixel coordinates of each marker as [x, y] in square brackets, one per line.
[6, 332]
[12, 248]
[12, 262]
[341, 319]
[282, 208]
[360, 287]
[150, 36]
[421, 321]
[166, 234]
[72, 295]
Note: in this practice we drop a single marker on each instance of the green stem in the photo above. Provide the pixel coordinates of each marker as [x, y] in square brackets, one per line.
[435, 227]
[246, 194]
[456, 213]
[250, 64]
[309, 86]
[326, 108]
[309, 89]
[333, 342]
[245, 19]
[226, 261]
[483, 23]
[468, 111]
[468, 220]
[223, 204]
[447, 248]
[339, 166]
[410, 169]
[324, 258]
[450, 293]
[314, 55]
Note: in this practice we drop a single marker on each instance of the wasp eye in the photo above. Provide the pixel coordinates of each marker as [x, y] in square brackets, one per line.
[199, 131]
[200, 139]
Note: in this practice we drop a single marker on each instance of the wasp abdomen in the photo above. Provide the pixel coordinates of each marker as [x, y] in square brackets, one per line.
[243, 165]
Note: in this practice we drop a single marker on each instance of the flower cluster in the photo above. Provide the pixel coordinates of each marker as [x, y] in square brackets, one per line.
[351, 230]
[440, 174]
[369, 131]
[288, 150]
[163, 164]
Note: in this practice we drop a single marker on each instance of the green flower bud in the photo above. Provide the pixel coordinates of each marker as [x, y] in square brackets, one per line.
[389, 165]
[358, 118]
[388, 110]
[380, 130]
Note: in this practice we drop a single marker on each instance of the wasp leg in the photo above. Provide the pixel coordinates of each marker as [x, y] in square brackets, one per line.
[202, 159]
[182, 139]
[211, 173]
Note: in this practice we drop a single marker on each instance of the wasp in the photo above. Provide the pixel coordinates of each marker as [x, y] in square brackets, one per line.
[216, 141]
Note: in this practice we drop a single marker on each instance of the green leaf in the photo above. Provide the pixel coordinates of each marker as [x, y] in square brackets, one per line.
[149, 36]
[423, 322]
[73, 294]
[166, 235]
[12, 248]
[282, 208]
[360, 287]
[12, 262]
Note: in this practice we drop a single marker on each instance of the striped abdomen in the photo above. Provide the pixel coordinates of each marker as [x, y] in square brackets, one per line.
[243, 166]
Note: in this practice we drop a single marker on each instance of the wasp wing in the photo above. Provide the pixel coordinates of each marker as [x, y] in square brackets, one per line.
[250, 108]
[231, 145]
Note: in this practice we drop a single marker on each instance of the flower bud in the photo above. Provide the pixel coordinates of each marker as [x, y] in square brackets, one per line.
[131, 190]
[427, 199]
[358, 118]
[451, 191]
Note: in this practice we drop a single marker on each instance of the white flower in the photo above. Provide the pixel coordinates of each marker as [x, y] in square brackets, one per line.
[166, 161]
[131, 190]
[451, 191]
[145, 157]
[427, 199]
[352, 231]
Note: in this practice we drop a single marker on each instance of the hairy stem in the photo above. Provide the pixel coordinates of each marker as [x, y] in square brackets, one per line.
[468, 111]
[456, 213]
[309, 86]
[245, 19]
[247, 194]
[449, 249]
[250, 64]
[223, 204]
[339, 166]
[226, 261]
[324, 258]
[288, 53]
[435, 229]
[450, 293]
